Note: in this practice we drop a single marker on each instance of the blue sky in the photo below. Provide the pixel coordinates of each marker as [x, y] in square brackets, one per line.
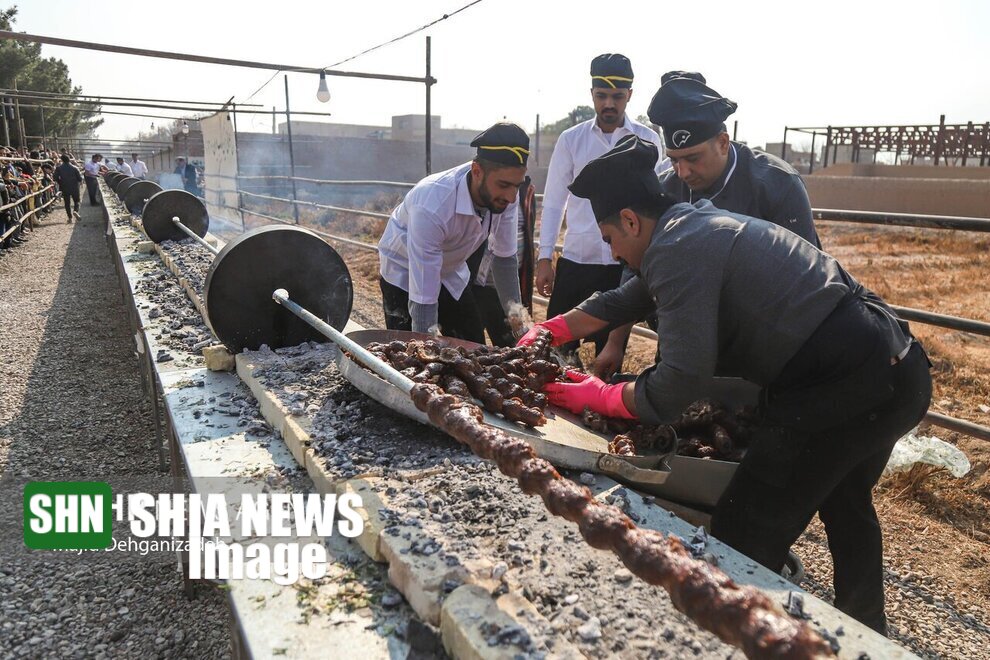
[785, 63]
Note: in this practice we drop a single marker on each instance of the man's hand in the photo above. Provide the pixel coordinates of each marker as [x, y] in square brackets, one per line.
[586, 391]
[560, 333]
[544, 277]
[609, 360]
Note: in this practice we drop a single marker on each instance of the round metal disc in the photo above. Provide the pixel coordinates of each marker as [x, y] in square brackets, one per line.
[124, 184]
[118, 177]
[250, 268]
[167, 204]
[138, 194]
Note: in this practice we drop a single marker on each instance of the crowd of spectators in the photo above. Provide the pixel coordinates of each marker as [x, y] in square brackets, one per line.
[33, 178]
[28, 176]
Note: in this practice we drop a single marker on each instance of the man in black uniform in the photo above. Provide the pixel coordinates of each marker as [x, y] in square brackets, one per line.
[842, 378]
[706, 164]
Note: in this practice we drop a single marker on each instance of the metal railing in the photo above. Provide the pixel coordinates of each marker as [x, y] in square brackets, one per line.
[15, 159]
[30, 213]
[373, 214]
[302, 179]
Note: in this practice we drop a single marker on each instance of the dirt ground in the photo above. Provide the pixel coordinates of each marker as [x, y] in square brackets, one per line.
[936, 527]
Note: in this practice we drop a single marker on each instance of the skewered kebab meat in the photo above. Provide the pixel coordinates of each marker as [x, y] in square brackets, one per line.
[739, 615]
[706, 430]
[507, 381]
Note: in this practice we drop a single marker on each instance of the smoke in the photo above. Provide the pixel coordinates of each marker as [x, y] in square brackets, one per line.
[435, 330]
[519, 319]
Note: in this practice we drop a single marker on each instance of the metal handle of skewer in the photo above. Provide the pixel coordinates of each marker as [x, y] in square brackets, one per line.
[381, 368]
[191, 234]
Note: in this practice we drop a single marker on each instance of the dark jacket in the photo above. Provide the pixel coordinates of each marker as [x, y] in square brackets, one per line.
[68, 177]
[735, 296]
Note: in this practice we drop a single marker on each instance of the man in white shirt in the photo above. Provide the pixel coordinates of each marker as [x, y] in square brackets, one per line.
[138, 167]
[123, 167]
[93, 168]
[586, 265]
[443, 221]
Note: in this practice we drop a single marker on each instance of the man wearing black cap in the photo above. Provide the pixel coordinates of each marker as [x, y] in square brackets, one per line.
[842, 378]
[448, 218]
[706, 164]
[586, 265]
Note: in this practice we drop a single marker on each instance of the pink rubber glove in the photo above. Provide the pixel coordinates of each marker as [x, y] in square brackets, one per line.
[557, 326]
[586, 391]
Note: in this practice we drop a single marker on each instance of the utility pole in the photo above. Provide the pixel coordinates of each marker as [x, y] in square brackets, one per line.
[6, 127]
[17, 115]
[537, 150]
[429, 119]
[292, 159]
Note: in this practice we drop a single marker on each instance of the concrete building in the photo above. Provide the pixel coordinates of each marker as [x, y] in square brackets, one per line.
[405, 128]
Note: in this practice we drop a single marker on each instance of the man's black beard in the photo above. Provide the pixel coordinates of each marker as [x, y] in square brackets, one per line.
[612, 118]
[486, 199]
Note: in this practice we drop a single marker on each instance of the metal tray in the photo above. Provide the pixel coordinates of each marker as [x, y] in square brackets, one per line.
[564, 441]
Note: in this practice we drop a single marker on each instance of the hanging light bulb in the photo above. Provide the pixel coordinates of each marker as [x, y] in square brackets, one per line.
[323, 92]
[185, 128]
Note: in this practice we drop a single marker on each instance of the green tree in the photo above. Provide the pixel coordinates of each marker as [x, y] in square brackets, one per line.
[22, 62]
[574, 117]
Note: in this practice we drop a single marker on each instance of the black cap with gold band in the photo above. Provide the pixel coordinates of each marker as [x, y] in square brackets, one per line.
[611, 71]
[503, 143]
[622, 178]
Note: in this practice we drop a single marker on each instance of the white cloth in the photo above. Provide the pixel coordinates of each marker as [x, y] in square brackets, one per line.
[92, 169]
[138, 168]
[124, 168]
[574, 149]
[434, 230]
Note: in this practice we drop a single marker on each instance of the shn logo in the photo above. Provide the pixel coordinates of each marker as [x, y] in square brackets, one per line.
[67, 515]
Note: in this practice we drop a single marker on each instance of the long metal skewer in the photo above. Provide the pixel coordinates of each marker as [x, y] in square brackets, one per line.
[191, 234]
[381, 368]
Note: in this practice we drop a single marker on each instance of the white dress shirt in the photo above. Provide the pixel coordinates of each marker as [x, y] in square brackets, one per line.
[138, 168]
[434, 230]
[125, 169]
[92, 169]
[574, 149]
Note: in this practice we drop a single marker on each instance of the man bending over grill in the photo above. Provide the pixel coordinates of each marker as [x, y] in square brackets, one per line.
[842, 377]
[453, 228]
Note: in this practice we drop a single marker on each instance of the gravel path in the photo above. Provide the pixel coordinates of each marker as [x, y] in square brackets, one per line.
[72, 407]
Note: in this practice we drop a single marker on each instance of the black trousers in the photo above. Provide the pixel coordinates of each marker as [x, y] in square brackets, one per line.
[457, 318]
[92, 186]
[69, 196]
[574, 283]
[831, 421]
